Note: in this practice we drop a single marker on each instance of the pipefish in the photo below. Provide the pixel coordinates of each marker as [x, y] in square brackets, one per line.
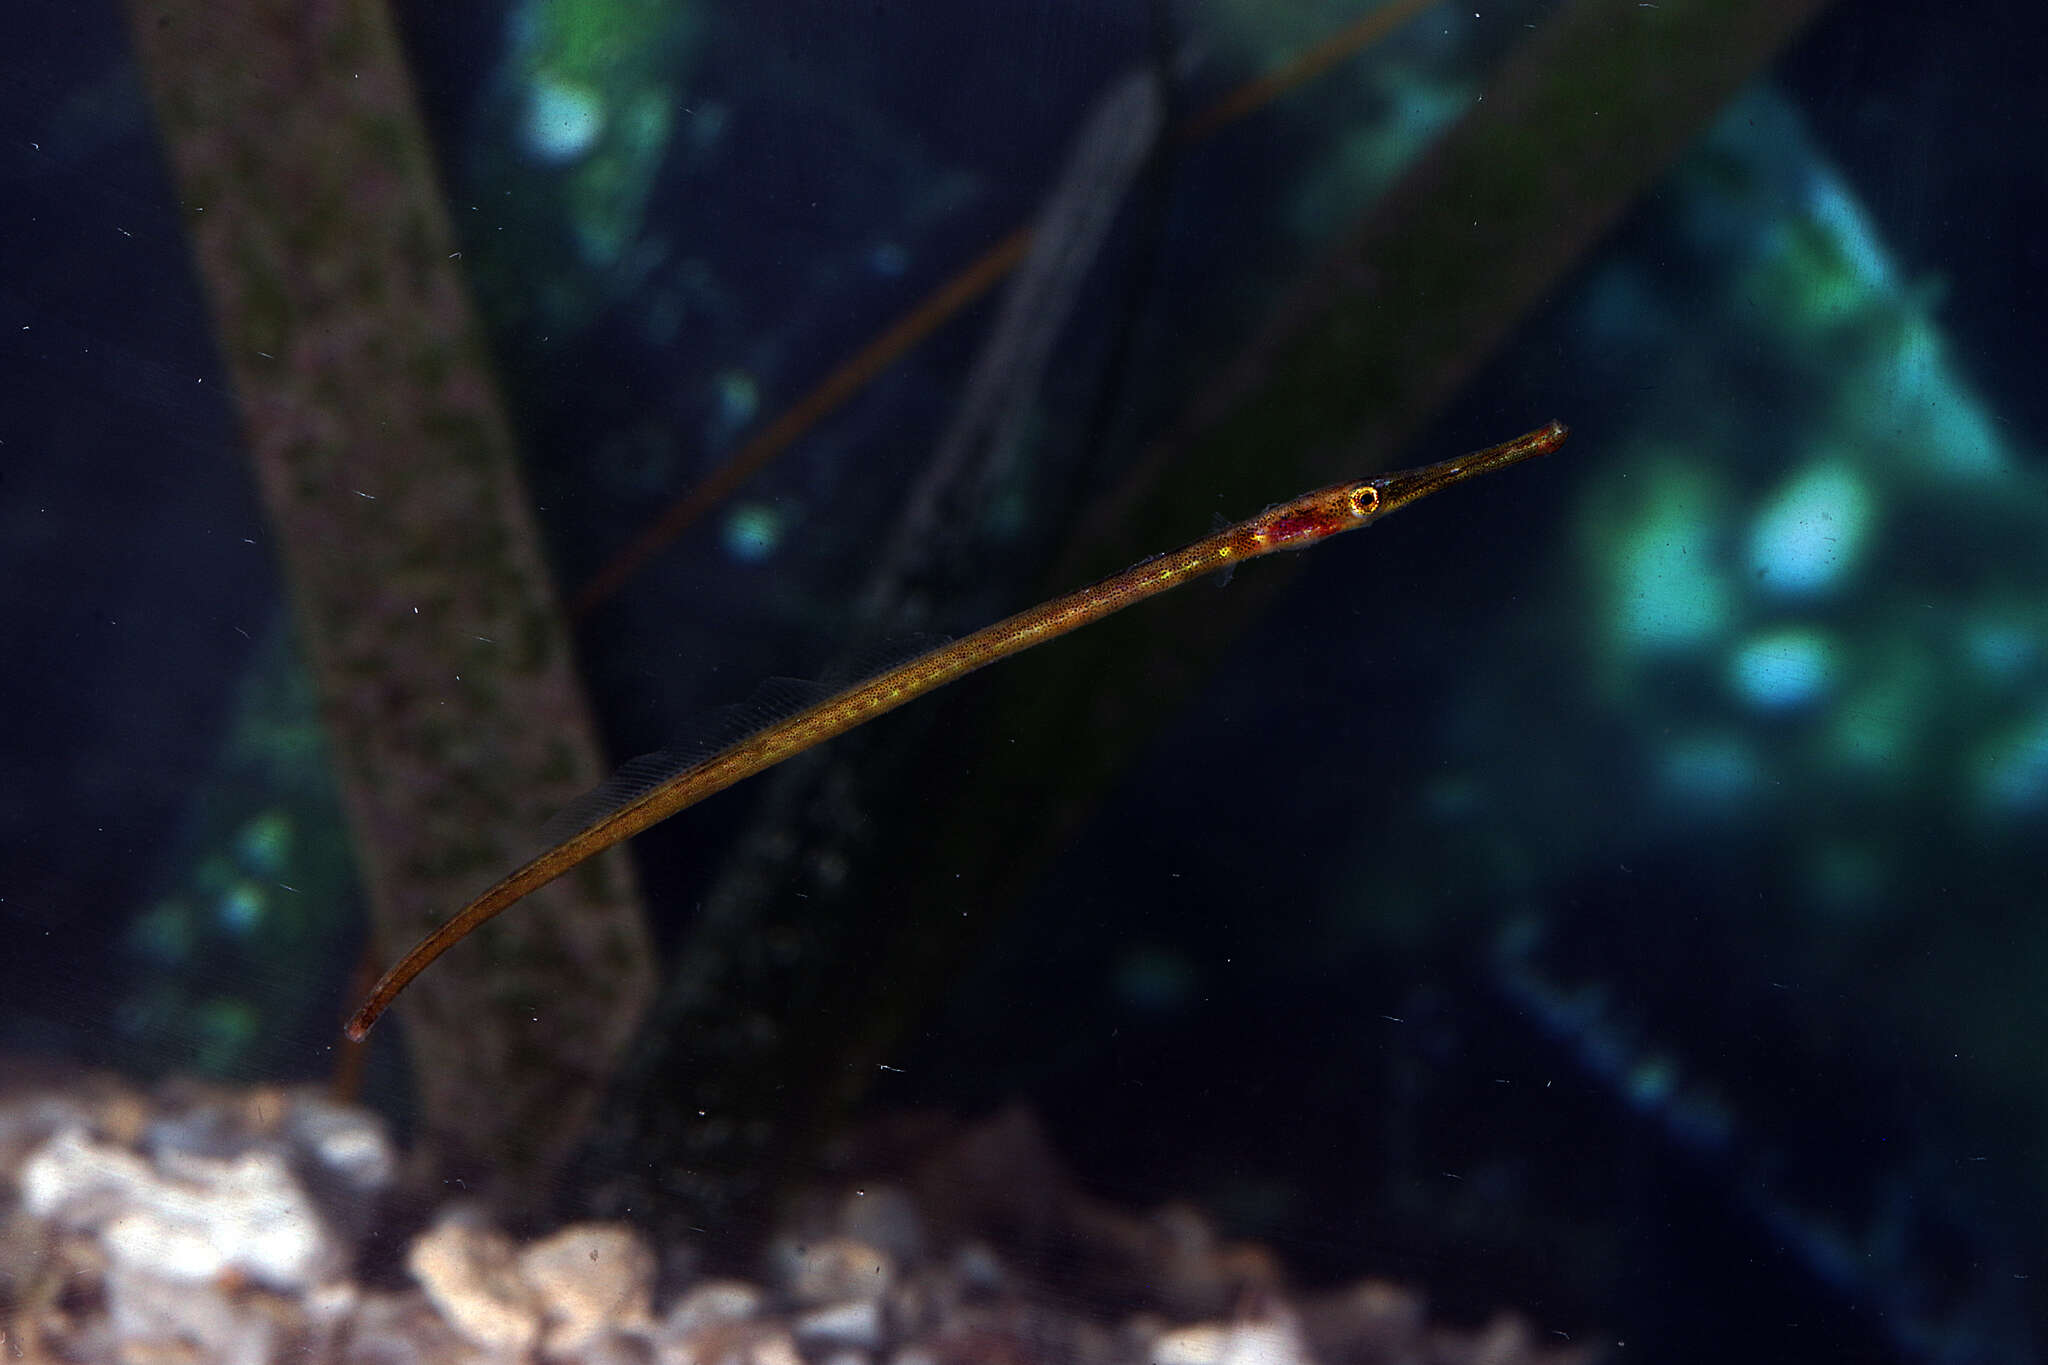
[1293, 525]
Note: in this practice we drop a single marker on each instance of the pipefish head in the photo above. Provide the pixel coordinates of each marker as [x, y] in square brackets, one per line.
[1316, 516]
[1392, 492]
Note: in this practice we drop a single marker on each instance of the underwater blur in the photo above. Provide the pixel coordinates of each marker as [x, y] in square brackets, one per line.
[1596, 915]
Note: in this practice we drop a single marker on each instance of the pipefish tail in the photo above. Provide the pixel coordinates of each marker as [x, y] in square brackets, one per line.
[1293, 525]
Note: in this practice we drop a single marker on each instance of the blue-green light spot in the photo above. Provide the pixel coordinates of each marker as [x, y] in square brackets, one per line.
[1671, 596]
[753, 532]
[739, 398]
[1812, 534]
[563, 120]
[2000, 650]
[1651, 1082]
[1784, 670]
[1849, 231]
[1710, 770]
[265, 843]
[1948, 422]
[2013, 774]
[241, 909]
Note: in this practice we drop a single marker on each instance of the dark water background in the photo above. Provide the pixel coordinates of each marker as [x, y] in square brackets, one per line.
[1616, 892]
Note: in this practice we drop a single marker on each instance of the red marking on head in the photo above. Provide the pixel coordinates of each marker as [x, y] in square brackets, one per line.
[1303, 526]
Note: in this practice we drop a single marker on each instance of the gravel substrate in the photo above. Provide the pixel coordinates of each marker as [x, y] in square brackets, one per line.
[190, 1222]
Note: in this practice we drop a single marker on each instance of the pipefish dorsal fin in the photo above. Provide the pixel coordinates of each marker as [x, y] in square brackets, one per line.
[710, 734]
[873, 659]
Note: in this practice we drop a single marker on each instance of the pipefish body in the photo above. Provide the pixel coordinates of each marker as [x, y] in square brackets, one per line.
[1292, 525]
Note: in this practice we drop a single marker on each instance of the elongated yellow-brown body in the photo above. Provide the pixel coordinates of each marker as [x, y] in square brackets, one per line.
[1292, 525]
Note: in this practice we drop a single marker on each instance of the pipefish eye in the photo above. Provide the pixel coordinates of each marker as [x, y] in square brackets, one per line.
[1363, 501]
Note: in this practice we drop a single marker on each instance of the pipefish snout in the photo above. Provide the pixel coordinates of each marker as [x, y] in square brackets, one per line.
[1292, 525]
